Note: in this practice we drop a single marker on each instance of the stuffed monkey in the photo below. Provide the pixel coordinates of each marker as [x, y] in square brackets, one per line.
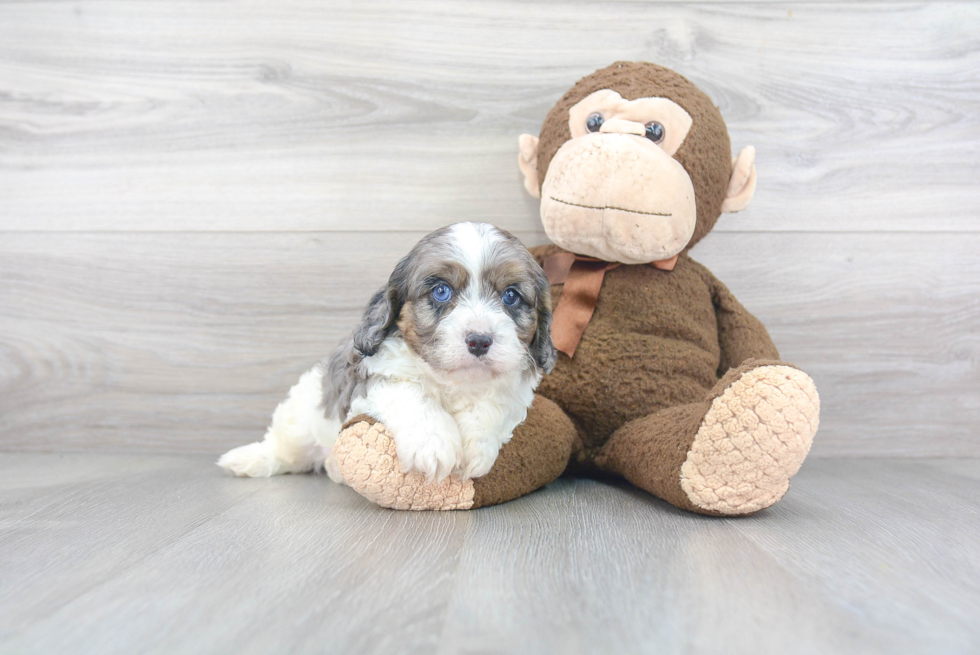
[663, 378]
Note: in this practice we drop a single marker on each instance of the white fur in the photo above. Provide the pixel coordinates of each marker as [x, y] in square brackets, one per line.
[299, 440]
[443, 422]
[477, 314]
[450, 417]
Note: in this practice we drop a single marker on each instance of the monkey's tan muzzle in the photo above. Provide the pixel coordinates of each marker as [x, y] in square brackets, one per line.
[617, 196]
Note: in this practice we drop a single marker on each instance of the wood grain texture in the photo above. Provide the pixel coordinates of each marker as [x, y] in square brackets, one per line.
[186, 342]
[318, 116]
[197, 198]
[117, 554]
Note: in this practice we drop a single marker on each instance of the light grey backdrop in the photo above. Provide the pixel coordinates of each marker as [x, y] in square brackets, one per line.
[197, 198]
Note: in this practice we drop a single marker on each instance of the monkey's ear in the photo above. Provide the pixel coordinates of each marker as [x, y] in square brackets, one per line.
[741, 187]
[527, 159]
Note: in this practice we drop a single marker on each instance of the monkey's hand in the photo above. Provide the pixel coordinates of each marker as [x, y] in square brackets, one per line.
[426, 436]
[367, 459]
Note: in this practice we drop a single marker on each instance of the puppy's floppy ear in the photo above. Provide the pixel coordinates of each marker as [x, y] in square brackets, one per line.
[542, 349]
[379, 317]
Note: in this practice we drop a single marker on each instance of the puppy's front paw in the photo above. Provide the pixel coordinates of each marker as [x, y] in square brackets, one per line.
[478, 458]
[366, 456]
[432, 452]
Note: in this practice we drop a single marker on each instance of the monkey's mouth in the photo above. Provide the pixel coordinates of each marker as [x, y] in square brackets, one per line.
[619, 209]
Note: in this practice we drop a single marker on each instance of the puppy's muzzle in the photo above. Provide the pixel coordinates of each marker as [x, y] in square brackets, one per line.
[478, 344]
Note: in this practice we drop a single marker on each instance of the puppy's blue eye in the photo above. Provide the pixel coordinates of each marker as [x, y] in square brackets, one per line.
[442, 293]
[594, 122]
[511, 297]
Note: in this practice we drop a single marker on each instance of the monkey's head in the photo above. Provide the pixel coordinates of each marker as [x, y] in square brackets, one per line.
[634, 165]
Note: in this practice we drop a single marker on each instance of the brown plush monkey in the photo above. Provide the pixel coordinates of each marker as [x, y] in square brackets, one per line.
[664, 378]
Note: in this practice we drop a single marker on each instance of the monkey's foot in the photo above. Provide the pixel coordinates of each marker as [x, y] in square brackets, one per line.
[752, 441]
[365, 454]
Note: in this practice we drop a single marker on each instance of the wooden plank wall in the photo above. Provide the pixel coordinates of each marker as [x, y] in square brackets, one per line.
[197, 197]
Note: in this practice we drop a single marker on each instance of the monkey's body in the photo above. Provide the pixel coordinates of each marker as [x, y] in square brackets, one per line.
[653, 342]
[660, 342]
[663, 377]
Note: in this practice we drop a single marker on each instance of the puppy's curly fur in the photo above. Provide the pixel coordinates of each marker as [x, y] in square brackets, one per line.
[447, 355]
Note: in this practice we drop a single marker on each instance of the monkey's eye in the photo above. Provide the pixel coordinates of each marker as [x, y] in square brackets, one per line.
[511, 297]
[442, 293]
[594, 122]
[655, 131]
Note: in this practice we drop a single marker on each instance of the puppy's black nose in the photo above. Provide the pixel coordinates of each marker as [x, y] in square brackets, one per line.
[478, 344]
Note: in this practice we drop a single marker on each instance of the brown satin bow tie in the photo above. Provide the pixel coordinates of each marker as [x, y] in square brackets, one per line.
[582, 277]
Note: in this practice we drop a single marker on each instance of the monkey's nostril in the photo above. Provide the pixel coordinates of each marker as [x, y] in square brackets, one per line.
[478, 344]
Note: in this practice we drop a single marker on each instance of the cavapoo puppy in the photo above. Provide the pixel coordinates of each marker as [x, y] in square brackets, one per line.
[447, 356]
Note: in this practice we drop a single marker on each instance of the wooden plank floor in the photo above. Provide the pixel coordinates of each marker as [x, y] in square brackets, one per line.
[164, 554]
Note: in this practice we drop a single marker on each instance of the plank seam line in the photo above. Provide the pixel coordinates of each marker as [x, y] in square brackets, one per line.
[158, 547]
[424, 231]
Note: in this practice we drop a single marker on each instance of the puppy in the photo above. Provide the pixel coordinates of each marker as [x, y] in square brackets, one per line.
[447, 355]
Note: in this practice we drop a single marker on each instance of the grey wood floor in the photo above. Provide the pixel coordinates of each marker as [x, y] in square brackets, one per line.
[164, 554]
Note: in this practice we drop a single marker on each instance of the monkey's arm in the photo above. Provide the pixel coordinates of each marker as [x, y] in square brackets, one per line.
[740, 334]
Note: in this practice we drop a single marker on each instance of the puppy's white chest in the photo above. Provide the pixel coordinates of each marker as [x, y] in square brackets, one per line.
[457, 401]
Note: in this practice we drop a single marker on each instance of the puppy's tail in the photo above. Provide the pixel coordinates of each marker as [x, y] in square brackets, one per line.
[300, 438]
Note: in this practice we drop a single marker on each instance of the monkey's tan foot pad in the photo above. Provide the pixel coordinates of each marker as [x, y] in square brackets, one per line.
[365, 454]
[752, 441]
